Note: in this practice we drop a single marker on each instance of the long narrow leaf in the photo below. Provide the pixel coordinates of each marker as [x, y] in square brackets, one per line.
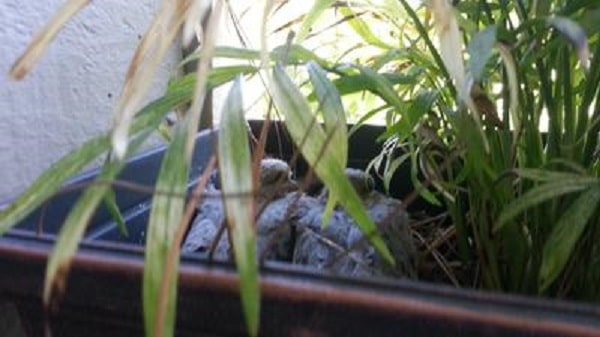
[334, 117]
[450, 41]
[312, 139]
[565, 236]
[542, 193]
[72, 231]
[110, 201]
[296, 54]
[546, 175]
[575, 35]
[74, 227]
[349, 84]
[167, 210]
[311, 18]
[513, 85]
[51, 180]
[166, 213]
[235, 165]
[480, 50]
[362, 29]
[154, 45]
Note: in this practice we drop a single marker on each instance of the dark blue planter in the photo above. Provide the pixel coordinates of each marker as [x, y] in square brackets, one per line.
[103, 295]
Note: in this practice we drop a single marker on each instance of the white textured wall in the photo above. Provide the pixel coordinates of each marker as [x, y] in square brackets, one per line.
[70, 94]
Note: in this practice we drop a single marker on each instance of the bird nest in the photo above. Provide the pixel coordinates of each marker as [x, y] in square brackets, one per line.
[291, 227]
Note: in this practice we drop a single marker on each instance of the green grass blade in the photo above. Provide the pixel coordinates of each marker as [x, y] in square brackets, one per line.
[311, 139]
[221, 75]
[565, 236]
[334, 116]
[542, 193]
[349, 84]
[110, 201]
[543, 175]
[51, 180]
[296, 54]
[423, 33]
[381, 86]
[330, 104]
[311, 17]
[510, 67]
[391, 170]
[414, 110]
[217, 76]
[235, 165]
[72, 231]
[236, 53]
[165, 215]
[362, 29]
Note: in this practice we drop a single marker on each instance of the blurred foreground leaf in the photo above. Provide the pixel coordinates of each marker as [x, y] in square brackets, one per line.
[110, 201]
[312, 16]
[312, 142]
[235, 164]
[480, 50]
[165, 215]
[575, 35]
[72, 231]
[334, 116]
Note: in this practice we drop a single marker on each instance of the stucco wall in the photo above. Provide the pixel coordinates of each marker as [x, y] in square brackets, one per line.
[71, 93]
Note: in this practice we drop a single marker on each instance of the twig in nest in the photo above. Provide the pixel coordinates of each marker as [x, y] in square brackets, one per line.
[440, 259]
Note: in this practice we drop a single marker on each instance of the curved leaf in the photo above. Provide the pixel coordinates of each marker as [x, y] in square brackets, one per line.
[72, 231]
[165, 215]
[312, 16]
[74, 226]
[546, 175]
[542, 193]
[51, 180]
[334, 117]
[362, 29]
[235, 164]
[43, 38]
[110, 201]
[449, 40]
[311, 139]
[480, 50]
[575, 35]
[565, 236]
[349, 84]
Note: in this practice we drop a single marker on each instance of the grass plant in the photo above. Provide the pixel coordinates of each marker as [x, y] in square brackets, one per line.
[465, 91]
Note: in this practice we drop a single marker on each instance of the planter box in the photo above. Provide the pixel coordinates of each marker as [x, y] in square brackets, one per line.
[103, 294]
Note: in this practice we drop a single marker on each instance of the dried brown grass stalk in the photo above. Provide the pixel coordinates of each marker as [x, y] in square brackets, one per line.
[42, 39]
[151, 50]
[206, 52]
